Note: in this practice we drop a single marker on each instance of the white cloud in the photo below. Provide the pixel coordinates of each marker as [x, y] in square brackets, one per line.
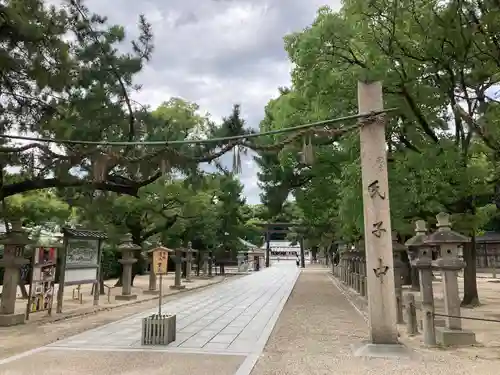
[216, 53]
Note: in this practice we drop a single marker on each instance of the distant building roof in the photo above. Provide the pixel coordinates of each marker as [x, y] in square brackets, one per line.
[490, 237]
[84, 233]
[281, 244]
[247, 244]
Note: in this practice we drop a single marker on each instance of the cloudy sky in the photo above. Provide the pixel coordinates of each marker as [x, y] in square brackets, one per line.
[216, 53]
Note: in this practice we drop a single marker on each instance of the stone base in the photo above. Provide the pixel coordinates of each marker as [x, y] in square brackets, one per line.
[128, 297]
[448, 337]
[151, 292]
[367, 349]
[437, 323]
[7, 320]
[177, 287]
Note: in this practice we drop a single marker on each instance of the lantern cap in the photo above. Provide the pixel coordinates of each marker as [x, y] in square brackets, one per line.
[420, 235]
[444, 234]
[17, 236]
[396, 246]
[126, 244]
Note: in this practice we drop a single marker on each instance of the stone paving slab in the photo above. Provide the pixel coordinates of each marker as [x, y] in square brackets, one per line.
[227, 319]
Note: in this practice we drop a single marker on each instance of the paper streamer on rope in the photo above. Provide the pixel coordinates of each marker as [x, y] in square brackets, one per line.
[100, 167]
[236, 160]
[164, 166]
[307, 151]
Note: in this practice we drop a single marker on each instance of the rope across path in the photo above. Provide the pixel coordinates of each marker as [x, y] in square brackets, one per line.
[205, 141]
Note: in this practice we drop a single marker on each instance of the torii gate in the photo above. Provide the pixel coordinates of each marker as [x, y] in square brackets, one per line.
[268, 231]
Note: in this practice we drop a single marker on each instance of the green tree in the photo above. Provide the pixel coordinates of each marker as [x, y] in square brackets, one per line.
[63, 77]
[438, 62]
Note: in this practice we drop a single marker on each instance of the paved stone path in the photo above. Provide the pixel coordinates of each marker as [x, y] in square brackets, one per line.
[230, 318]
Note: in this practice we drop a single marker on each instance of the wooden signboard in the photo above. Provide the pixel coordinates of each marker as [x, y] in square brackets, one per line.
[160, 261]
[43, 272]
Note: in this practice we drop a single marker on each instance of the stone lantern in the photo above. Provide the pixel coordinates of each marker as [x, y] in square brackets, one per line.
[362, 268]
[421, 258]
[356, 254]
[450, 263]
[189, 261]
[14, 244]
[128, 249]
[177, 258]
[152, 275]
[413, 253]
[397, 254]
[343, 262]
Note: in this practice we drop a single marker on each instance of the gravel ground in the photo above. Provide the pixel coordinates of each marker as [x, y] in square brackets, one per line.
[317, 327]
[55, 362]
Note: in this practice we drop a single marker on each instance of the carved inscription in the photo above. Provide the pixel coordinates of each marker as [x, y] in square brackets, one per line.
[374, 190]
[381, 270]
[378, 229]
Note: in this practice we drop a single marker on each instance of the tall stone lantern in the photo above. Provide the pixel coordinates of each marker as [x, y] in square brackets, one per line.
[189, 261]
[397, 253]
[128, 249]
[152, 274]
[450, 263]
[14, 244]
[421, 258]
[177, 258]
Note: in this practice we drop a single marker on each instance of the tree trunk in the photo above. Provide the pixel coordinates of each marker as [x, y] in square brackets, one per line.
[415, 279]
[119, 281]
[471, 297]
[101, 285]
[24, 292]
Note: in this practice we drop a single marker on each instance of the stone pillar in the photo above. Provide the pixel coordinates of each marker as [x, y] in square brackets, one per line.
[343, 262]
[377, 220]
[189, 262]
[421, 257]
[348, 258]
[13, 259]
[268, 247]
[449, 264]
[241, 261]
[362, 267]
[210, 265]
[152, 277]
[356, 272]
[397, 251]
[178, 270]
[204, 258]
[364, 285]
[127, 248]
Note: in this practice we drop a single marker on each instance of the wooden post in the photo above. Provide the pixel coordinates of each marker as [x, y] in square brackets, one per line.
[62, 277]
[268, 247]
[98, 274]
[377, 220]
[302, 257]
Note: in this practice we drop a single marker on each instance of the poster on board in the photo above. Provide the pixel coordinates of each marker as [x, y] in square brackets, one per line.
[43, 272]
